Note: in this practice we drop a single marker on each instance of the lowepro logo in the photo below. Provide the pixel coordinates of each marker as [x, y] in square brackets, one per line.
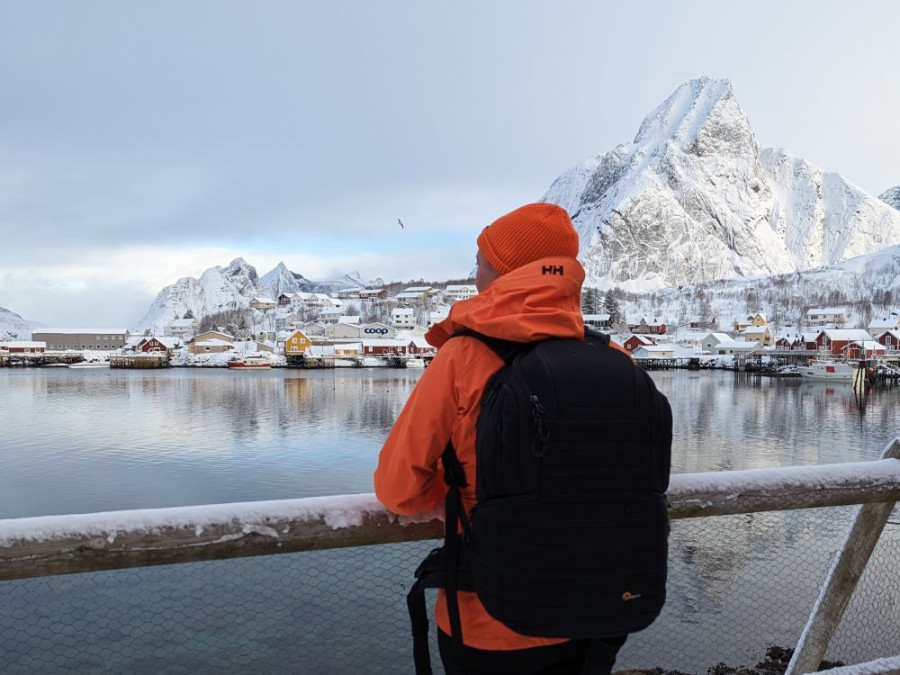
[375, 331]
[552, 269]
[628, 595]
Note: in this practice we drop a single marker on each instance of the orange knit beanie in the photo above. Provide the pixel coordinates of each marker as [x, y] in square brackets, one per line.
[529, 233]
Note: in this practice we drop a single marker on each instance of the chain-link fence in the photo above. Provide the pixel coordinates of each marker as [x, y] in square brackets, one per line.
[738, 584]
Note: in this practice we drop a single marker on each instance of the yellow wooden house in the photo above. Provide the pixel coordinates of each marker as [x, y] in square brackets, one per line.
[297, 343]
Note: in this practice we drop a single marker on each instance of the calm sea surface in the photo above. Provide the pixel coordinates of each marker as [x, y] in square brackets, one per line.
[79, 441]
[76, 441]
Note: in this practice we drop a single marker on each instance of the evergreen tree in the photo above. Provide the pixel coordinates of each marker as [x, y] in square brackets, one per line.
[611, 307]
[590, 300]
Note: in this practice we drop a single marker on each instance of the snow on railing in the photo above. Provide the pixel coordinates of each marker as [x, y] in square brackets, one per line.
[49, 545]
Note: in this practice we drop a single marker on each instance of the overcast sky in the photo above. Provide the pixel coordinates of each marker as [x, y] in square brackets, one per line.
[144, 142]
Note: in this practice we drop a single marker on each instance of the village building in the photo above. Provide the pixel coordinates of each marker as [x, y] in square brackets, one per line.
[712, 340]
[101, 339]
[701, 323]
[419, 345]
[645, 327]
[403, 317]
[808, 341]
[863, 349]
[265, 346]
[330, 315]
[384, 347]
[157, 345]
[760, 334]
[23, 347]
[262, 304]
[183, 328]
[316, 329]
[347, 349]
[349, 293]
[788, 343]
[877, 326]
[833, 340]
[214, 335]
[210, 346]
[313, 301]
[349, 332]
[415, 294]
[834, 317]
[373, 294]
[291, 320]
[460, 291]
[653, 352]
[437, 315]
[890, 339]
[756, 320]
[297, 343]
[735, 348]
[596, 320]
[636, 341]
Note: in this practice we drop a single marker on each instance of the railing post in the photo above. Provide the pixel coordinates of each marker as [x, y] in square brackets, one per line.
[846, 570]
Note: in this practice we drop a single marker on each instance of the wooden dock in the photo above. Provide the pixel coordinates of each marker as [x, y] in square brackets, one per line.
[11, 360]
[144, 361]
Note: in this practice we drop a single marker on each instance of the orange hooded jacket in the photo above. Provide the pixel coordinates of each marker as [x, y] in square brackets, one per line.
[525, 305]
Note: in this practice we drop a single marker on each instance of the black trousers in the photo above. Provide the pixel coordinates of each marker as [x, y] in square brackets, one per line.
[576, 657]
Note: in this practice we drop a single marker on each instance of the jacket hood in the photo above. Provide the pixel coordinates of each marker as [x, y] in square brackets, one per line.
[536, 301]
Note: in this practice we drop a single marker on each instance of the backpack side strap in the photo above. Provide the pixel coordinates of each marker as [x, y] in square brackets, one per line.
[445, 567]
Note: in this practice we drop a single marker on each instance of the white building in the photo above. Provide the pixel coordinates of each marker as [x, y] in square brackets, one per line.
[653, 352]
[403, 318]
[184, 328]
[711, 340]
[460, 291]
[878, 326]
[827, 316]
[596, 320]
[262, 304]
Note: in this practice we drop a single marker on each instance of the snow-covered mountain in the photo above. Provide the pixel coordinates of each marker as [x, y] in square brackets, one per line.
[13, 326]
[891, 197]
[219, 289]
[866, 287]
[216, 290]
[282, 280]
[693, 198]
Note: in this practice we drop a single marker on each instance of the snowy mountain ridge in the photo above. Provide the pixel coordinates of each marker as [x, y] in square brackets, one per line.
[694, 199]
[891, 197]
[233, 287]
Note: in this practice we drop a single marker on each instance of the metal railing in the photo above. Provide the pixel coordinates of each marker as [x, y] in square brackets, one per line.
[47, 546]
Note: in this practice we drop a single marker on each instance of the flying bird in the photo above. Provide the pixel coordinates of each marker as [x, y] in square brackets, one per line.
[401, 223]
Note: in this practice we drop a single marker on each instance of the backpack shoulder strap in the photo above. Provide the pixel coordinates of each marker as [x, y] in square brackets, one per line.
[505, 349]
[596, 334]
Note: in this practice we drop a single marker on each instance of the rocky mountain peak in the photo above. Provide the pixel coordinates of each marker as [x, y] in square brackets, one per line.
[891, 197]
[694, 199]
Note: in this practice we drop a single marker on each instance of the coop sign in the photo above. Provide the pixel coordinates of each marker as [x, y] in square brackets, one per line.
[375, 331]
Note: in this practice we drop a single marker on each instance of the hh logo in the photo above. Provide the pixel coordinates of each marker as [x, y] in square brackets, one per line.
[552, 269]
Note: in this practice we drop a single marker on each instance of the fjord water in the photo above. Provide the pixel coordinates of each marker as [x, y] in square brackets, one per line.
[80, 441]
[93, 440]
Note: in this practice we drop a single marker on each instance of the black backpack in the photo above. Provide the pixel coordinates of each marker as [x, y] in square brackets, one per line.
[569, 537]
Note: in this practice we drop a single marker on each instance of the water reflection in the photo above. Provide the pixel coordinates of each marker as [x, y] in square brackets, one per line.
[89, 440]
[727, 421]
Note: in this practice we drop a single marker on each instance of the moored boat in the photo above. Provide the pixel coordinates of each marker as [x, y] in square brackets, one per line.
[250, 363]
[823, 369]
